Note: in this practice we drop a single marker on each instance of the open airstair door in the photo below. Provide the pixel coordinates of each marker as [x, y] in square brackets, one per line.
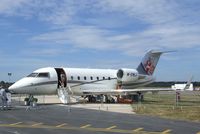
[62, 88]
[64, 95]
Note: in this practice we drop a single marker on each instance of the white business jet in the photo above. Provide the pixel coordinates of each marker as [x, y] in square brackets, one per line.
[66, 82]
[184, 87]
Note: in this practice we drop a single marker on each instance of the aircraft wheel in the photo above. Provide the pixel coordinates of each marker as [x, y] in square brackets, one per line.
[93, 99]
[112, 100]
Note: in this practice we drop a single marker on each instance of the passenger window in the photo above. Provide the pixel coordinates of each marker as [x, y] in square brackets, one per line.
[91, 78]
[46, 75]
[85, 78]
[97, 78]
[78, 77]
[72, 78]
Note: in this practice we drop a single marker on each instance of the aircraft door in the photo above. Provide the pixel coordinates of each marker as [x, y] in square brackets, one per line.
[62, 78]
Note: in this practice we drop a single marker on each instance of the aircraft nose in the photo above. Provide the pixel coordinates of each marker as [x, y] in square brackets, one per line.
[13, 88]
[18, 86]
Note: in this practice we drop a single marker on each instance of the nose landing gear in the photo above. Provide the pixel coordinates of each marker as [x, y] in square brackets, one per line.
[30, 101]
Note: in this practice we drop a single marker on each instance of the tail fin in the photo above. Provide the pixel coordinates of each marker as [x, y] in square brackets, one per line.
[149, 62]
[187, 86]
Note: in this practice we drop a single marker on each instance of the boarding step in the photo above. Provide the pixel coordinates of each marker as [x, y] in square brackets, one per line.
[64, 94]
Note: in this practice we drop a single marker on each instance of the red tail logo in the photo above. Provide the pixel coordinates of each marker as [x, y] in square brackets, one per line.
[149, 66]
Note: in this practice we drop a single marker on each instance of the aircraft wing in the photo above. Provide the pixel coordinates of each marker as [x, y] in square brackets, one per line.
[123, 91]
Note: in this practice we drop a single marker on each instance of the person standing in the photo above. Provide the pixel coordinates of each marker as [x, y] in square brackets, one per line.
[9, 98]
[3, 98]
[62, 80]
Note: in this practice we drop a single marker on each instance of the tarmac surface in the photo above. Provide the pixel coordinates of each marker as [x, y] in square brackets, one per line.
[64, 119]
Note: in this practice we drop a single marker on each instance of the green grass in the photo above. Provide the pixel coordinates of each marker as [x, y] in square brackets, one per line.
[164, 105]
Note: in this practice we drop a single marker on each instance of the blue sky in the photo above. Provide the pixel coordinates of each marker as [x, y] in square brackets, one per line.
[99, 34]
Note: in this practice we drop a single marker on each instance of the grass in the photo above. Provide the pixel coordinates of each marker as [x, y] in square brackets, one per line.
[164, 105]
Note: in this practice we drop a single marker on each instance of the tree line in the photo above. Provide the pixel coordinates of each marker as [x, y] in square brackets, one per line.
[5, 84]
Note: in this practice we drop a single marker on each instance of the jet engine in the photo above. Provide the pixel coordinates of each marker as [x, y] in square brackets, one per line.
[126, 75]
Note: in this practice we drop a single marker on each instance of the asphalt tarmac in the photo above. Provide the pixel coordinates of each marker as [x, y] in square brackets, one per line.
[56, 118]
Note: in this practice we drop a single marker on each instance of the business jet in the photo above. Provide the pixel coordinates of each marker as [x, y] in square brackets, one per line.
[184, 87]
[67, 82]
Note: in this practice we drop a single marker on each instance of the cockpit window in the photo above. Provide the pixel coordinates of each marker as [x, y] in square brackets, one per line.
[32, 75]
[43, 75]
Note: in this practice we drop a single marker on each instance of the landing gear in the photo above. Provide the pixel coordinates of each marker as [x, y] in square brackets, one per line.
[101, 99]
[91, 99]
[109, 99]
[30, 101]
[140, 97]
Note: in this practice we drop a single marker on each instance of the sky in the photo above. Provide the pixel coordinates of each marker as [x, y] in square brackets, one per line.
[99, 34]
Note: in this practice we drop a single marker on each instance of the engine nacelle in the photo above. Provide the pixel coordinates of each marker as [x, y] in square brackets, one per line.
[126, 75]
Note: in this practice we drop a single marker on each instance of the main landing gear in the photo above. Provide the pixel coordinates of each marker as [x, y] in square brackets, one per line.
[100, 98]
